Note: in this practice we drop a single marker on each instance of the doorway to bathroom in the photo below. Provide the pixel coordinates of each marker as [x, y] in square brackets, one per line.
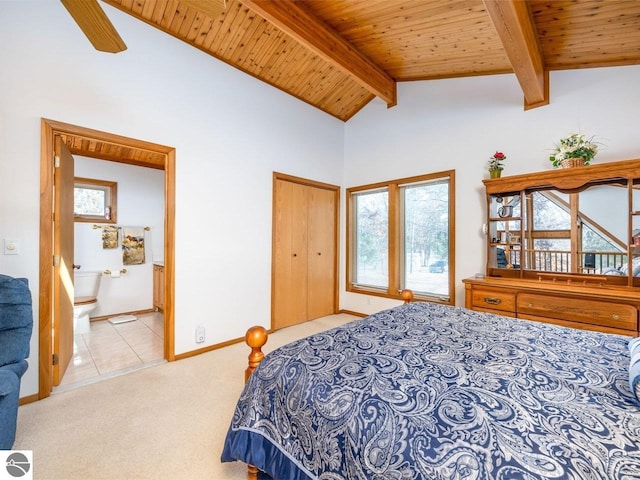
[56, 334]
[111, 349]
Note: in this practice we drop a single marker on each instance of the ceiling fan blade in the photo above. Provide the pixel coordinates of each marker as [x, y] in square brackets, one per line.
[95, 24]
[211, 8]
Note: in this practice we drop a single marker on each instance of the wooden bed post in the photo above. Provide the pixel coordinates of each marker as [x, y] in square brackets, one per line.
[255, 337]
[407, 295]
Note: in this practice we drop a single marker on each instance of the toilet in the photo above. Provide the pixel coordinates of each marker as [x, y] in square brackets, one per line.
[85, 299]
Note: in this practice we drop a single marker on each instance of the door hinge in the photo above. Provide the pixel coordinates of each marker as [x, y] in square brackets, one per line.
[55, 359]
[56, 260]
[56, 161]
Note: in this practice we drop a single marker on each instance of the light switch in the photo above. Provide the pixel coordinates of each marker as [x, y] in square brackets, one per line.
[11, 247]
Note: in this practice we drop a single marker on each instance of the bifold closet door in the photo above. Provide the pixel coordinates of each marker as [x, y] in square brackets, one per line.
[303, 253]
[290, 254]
[321, 252]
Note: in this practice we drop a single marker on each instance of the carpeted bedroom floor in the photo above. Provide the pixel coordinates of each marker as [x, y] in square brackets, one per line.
[167, 421]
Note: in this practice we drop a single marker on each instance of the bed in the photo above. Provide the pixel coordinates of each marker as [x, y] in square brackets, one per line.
[427, 391]
[624, 269]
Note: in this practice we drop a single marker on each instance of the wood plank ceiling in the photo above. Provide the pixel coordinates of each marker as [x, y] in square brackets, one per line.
[87, 146]
[338, 55]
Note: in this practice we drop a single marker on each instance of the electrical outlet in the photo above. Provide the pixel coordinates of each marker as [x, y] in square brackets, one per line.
[200, 336]
[11, 247]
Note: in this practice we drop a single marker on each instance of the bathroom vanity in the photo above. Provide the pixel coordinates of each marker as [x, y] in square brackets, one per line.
[158, 287]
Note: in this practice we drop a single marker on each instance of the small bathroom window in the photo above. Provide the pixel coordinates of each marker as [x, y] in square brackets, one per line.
[94, 200]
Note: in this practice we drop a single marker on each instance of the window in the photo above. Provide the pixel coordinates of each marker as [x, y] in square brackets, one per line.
[94, 200]
[400, 235]
[372, 238]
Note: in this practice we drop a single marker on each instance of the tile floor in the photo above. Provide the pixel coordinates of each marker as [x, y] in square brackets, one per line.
[109, 350]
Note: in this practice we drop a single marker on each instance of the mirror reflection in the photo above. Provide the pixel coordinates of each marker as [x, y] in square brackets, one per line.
[585, 232]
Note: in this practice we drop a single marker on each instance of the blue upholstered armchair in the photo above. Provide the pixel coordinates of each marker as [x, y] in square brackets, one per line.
[16, 324]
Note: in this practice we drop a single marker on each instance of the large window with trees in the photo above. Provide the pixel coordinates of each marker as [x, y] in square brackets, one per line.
[401, 235]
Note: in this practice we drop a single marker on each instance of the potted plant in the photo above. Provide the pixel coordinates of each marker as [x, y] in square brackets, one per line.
[573, 151]
[495, 164]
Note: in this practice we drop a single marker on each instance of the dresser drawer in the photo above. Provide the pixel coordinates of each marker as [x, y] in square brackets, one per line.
[593, 312]
[504, 313]
[580, 325]
[502, 300]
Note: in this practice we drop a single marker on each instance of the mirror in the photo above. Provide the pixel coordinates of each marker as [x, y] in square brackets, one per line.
[578, 233]
[575, 232]
[571, 225]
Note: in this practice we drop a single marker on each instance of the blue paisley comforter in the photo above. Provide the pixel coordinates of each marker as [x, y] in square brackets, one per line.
[425, 391]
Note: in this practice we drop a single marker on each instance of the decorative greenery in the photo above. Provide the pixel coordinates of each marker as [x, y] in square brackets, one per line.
[576, 145]
[495, 162]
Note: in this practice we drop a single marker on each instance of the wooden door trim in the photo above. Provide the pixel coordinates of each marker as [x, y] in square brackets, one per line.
[311, 183]
[50, 128]
[304, 181]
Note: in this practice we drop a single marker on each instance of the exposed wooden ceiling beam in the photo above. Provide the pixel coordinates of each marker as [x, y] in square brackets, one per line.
[514, 25]
[303, 26]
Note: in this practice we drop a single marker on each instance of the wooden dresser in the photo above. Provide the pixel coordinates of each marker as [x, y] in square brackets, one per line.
[586, 306]
[563, 247]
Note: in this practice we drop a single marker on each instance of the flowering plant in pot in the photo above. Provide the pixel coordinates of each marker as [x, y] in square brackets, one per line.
[574, 150]
[495, 164]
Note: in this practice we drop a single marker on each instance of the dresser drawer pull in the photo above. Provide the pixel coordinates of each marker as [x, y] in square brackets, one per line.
[615, 316]
[492, 300]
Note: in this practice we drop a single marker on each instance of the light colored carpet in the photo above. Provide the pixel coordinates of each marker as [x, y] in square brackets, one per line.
[163, 422]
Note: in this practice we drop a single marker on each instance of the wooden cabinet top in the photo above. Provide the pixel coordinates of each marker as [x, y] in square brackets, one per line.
[565, 178]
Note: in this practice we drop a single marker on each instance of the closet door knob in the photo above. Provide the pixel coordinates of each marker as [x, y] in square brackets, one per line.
[295, 254]
[319, 253]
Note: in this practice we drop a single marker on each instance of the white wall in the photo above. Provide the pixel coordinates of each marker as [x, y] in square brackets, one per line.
[602, 205]
[140, 203]
[460, 123]
[229, 130]
[232, 131]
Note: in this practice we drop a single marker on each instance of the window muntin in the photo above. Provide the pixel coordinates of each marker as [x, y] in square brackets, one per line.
[415, 249]
[94, 200]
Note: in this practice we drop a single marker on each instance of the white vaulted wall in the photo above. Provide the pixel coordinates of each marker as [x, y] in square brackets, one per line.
[459, 123]
[231, 132]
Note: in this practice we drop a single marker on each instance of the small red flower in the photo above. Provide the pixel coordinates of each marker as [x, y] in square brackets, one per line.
[495, 161]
